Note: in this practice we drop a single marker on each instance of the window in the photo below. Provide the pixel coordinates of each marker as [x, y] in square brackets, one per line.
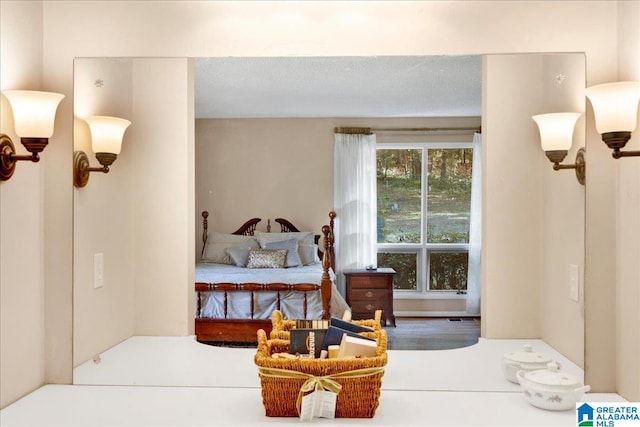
[424, 205]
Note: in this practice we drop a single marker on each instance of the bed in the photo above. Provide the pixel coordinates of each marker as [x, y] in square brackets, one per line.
[234, 298]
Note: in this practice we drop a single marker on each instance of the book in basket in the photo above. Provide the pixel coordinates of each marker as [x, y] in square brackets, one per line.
[299, 341]
[357, 346]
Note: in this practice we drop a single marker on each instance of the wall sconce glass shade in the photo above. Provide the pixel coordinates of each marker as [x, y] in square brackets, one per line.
[556, 138]
[34, 116]
[556, 130]
[34, 112]
[107, 133]
[106, 142]
[615, 109]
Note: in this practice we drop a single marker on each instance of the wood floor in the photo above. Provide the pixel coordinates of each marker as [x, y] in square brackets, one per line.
[416, 333]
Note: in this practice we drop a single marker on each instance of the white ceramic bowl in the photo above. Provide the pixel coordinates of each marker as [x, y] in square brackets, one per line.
[551, 389]
[523, 360]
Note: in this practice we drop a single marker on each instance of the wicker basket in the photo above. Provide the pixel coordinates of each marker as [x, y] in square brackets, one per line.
[282, 379]
[281, 326]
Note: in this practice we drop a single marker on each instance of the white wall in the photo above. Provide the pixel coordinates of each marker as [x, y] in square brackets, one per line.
[180, 28]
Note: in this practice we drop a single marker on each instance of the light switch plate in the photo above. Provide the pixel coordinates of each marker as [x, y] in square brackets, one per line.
[98, 270]
[574, 282]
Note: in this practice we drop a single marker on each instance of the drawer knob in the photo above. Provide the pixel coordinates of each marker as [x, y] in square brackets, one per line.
[369, 307]
[369, 294]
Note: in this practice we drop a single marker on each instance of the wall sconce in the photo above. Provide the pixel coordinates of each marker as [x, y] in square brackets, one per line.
[556, 137]
[615, 108]
[34, 114]
[106, 141]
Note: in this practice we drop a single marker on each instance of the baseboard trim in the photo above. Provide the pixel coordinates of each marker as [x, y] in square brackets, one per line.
[432, 314]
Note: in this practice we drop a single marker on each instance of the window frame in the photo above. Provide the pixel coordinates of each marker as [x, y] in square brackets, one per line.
[423, 249]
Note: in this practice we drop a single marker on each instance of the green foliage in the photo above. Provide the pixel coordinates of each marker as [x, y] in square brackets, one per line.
[448, 271]
[399, 182]
[446, 236]
[405, 266]
[450, 185]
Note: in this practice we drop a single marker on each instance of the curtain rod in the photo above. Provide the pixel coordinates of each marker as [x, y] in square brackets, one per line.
[369, 131]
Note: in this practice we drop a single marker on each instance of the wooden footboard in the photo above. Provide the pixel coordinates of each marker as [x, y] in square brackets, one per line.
[230, 330]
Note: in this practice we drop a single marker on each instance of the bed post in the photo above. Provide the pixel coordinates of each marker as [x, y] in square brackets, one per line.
[325, 284]
[332, 253]
[205, 228]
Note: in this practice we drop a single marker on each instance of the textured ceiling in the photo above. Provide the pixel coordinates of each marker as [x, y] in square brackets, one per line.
[384, 86]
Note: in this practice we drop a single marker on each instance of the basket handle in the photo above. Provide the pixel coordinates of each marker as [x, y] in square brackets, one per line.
[262, 341]
[276, 319]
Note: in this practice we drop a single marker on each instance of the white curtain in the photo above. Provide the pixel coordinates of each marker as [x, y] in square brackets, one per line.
[475, 226]
[355, 202]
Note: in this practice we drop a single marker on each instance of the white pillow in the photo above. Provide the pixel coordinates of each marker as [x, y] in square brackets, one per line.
[303, 237]
[218, 243]
[291, 245]
[308, 254]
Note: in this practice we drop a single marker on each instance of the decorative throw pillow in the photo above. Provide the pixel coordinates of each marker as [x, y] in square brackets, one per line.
[267, 258]
[291, 245]
[239, 254]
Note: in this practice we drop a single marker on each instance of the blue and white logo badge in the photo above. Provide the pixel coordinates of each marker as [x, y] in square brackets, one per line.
[608, 414]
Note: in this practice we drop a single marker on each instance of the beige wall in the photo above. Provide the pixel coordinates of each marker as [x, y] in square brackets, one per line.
[163, 238]
[628, 221]
[511, 198]
[563, 215]
[124, 214]
[22, 362]
[533, 217]
[76, 28]
[104, 205]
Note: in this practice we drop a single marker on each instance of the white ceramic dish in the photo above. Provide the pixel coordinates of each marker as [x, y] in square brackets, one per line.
[523, 360]
[551, 389]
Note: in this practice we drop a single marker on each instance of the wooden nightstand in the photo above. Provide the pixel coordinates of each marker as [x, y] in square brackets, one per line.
[371, 290]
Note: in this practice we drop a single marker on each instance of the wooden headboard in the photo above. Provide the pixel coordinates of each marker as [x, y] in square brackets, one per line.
[249, 228]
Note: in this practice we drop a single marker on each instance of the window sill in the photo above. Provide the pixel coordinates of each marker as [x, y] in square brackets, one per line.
[398, 295]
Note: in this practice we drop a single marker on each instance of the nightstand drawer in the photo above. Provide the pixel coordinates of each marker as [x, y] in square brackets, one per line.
[370, 281]
[368, 306]
[368, 294]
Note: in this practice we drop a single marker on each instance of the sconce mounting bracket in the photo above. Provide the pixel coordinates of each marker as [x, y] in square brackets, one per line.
[581, 166]
[80, 169]
[7, 164]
